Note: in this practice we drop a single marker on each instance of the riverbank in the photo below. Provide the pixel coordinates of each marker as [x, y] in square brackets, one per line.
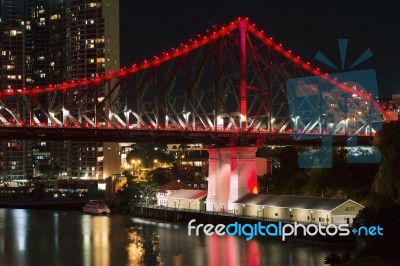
[44, 204]
[184, 216]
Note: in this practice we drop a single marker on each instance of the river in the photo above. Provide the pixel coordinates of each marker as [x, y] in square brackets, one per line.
[42, 237]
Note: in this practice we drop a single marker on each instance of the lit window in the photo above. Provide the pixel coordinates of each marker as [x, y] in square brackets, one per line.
[53, 17]
[42, 22]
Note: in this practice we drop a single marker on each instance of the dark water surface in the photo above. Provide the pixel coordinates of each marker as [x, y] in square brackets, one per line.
[39, 237]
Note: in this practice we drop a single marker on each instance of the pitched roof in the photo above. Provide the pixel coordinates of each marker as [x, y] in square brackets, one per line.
[189, 194]
[173, 185]
[289, 201]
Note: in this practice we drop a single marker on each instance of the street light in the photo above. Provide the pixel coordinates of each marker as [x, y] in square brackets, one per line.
[263, 211]
[189, 204]
[311, 216]
[223, 207]
[135, 163]
[290, 214]
[243, 209]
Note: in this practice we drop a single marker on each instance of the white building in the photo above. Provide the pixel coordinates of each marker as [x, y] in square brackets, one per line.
[168, 189]
[298, 208]
[188, 199]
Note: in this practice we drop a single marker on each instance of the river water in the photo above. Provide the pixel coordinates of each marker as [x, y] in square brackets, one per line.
[41, 237]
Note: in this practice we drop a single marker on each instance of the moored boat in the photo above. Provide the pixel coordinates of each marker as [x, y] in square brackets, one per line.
[95, 206]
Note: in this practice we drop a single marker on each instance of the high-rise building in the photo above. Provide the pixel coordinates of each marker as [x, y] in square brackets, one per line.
[15, 40]
[38, 14]
[15, 72]
[63, 40]
[84, 42]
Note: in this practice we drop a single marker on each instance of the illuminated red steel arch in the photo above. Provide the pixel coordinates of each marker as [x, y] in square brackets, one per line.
[232, 78]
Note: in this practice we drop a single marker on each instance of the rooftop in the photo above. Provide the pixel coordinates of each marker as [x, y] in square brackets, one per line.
[173, 185]
[289, 201]
[192, 194]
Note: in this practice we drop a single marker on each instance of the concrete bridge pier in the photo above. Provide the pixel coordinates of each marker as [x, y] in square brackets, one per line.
[232, 174]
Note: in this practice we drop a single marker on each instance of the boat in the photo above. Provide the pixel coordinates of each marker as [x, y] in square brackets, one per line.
[95, 206]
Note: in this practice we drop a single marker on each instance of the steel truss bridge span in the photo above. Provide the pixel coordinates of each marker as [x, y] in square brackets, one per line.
[226, 87]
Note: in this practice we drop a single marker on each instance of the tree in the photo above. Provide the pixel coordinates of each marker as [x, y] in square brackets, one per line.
[147, 153]
[387, 181]
[384, 214]
[159, 175]
[147, 191]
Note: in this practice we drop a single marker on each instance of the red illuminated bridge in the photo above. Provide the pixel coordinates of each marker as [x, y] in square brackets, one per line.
[227, 86]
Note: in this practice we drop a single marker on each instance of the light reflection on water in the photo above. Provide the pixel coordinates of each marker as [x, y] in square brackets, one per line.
[33, 237]
[135, 248]
[96, 244]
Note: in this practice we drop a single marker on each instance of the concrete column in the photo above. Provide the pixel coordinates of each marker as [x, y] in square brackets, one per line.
[213, 162]
[218, 178]
[232, 174]
[243, 173]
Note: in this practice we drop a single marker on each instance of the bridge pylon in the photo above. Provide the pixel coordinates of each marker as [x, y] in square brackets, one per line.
[232, 174]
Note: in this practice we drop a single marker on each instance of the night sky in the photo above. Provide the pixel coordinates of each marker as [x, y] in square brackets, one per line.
[152, 26]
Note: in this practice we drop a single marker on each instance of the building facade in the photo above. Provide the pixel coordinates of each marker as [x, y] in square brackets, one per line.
[297, 208]
[15, 72]
[49, 42]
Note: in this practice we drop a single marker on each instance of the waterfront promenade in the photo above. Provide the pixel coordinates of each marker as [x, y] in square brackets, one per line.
[209, 217]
